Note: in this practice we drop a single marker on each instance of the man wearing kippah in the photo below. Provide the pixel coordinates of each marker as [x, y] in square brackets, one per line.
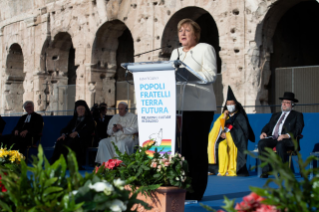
[278, 131]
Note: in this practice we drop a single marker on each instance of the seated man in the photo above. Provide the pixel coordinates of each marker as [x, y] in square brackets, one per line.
[29, 127]
[121, 128]
[276, 132]
[102, 120]
[230, 134]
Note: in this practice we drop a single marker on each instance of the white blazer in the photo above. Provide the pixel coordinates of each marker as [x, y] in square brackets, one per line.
[202, 59]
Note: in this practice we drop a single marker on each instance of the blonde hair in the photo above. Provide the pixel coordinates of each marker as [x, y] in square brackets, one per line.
[196, 28]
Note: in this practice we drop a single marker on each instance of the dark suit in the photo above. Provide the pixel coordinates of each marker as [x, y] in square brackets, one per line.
[34, 128]
[293, 124]
[101, 128]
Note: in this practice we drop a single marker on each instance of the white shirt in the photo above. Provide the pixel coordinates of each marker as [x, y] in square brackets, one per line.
[27, 120]
[202, 59]
[281, 124]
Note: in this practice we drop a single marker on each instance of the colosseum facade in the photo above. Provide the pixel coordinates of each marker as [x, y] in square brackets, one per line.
[53, 47]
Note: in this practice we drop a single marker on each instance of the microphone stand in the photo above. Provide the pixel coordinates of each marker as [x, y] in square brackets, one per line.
[137, 55]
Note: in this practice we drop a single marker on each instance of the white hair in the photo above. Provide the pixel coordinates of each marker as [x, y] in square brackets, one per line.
[124, 103]
[26, 103]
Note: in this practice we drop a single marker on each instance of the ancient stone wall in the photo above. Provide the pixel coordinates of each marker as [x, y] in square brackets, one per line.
[47, 45]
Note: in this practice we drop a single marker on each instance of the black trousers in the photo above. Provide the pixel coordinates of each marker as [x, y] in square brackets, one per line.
[74, 144]
[281, 147]
[195, 132]
[18, 142]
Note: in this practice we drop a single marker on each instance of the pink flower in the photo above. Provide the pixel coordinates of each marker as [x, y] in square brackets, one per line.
[96, 169]
[267, 208]
[164, 160]
[252, 197]
[154, 165]
[167, 163]
[112, 163]
[243, 206]
[220, 210]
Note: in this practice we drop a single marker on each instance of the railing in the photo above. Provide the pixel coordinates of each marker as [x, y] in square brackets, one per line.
[312, 108]
[309, 108]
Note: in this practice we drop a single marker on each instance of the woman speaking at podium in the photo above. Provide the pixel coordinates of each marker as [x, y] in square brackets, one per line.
[199, 103]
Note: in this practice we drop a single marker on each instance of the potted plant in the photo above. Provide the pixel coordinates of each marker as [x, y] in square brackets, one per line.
[160, 181]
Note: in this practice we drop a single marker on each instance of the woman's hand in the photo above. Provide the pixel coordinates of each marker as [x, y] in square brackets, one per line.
[62, 137]
[226, 113]
[223, 135]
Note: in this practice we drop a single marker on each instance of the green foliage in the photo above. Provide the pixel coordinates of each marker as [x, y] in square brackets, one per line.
[229, 206]
[291, 194]
[49, 188]
[145, 174]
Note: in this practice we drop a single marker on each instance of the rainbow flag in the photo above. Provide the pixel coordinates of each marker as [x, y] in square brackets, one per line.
[165, 147]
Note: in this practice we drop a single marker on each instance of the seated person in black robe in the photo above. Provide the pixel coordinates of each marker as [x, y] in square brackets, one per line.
[102, 120]
[76, 135]
[228, 140]
[27, 130]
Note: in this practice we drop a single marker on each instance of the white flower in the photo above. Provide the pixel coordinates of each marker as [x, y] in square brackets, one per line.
[74, 192]
[315, 184]
[119, 183]
[183, 158]
[102, 186]
[117, 206]
[177, 179]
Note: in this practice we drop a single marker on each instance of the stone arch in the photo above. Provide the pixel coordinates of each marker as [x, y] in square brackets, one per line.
[58, 66]
[112, 46]
[209, 30]
[15, 75]
[281, 43]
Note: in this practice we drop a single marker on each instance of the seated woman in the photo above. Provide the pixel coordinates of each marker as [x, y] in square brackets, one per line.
[230, 133]
[77, 134]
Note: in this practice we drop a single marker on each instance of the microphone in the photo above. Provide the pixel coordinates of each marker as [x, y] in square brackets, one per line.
[178, 58]
[168, 46]
[177, 64]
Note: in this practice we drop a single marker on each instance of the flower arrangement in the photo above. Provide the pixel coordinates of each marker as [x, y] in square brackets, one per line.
[98, 195]
[10, 156]
[147, 173]
[10, 160]
[49, 188]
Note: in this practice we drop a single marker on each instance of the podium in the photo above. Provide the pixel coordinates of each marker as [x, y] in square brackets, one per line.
[155, 93]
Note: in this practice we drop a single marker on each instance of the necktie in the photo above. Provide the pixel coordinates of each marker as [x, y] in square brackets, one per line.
[276, 133]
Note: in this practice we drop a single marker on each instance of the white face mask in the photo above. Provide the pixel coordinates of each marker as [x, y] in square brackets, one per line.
[231, 108]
